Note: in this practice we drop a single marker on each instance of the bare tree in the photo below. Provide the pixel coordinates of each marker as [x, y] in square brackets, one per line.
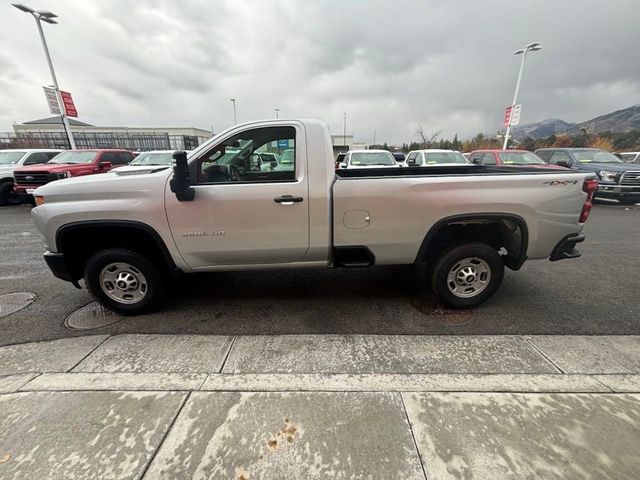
[427, 141]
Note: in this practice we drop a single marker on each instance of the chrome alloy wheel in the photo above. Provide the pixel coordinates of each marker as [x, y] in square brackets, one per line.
[123, 283]
[468, 277]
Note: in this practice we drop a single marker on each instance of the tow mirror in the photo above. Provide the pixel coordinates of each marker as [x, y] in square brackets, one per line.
[180, 183]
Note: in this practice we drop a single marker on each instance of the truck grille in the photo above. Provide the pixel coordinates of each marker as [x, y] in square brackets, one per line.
[630, 178]
[27, 178]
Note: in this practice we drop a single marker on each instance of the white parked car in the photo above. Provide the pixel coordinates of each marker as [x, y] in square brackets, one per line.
[369, 159]
[630, 157]
[154, 158]
[435, 158]
[12, 159]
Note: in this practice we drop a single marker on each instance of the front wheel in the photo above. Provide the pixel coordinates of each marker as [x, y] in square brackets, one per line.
[467, 275]
[124, 281]
[7, 195]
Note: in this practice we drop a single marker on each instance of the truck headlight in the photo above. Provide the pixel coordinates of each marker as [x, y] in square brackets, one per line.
[62, 175]
[607, 176]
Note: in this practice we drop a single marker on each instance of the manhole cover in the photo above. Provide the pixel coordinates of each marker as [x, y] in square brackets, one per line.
[91, 316]
[12, 302]
[428, 305]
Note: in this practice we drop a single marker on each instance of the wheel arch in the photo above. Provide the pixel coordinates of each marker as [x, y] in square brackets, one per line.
[79, 240]
[473, 227]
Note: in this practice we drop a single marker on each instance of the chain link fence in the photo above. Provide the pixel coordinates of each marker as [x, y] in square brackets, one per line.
[129, 141]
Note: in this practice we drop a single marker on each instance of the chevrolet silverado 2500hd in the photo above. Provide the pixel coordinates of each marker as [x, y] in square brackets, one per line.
[125, 233]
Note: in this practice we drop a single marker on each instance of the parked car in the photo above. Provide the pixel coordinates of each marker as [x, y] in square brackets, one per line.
[399, 156]
[617, 180]
[154, 158]
[368, 159]
[512, 158]
[71, 163]
[630, 157]
[126, 234]
[434, 157]
[12, 159]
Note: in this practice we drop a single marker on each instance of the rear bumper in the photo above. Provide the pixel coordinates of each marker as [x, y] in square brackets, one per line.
[58, 266]
[566, 248]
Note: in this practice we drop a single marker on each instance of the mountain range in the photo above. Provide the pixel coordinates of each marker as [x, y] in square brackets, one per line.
[618, 121]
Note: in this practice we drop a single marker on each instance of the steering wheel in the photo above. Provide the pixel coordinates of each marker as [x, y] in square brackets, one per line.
[234, 173]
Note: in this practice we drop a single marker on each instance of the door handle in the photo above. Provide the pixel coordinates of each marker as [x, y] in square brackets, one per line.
[287, 199]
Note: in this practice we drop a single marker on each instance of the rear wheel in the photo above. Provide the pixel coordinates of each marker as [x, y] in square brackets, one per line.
[467, 275]
[7, 195]
[124, 281]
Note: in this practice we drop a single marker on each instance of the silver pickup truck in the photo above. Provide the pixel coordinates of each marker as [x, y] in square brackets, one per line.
[126, 233]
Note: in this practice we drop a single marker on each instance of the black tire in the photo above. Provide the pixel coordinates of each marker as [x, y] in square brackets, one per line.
[154, 281]
[454, 257]
[7, 195]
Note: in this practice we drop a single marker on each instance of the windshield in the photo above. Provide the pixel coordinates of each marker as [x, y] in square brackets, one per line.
[153, 158]
[520, 158]
[595, 156]
[9, 158]
[287, 157]
[74, 157]
[372, 158]
[628, 157]
[434, 158]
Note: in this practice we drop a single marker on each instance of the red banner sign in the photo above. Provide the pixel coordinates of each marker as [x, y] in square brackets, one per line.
[507, 115]
[69, 107]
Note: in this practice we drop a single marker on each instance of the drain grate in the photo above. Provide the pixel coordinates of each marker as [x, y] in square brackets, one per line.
[91, 316]
[12, 302]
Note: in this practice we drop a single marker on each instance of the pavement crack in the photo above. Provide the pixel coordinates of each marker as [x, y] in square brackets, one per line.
[533, 345]
[413, 436]
[224, 361]
[164, 437]
[87, 355]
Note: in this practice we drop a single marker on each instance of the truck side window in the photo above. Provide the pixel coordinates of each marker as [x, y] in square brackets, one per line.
[265, 154]
[560, 156]
[411, 159]
[488, 159]
[36, 158]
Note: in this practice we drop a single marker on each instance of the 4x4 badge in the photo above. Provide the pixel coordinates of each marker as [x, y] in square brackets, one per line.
[560, 182]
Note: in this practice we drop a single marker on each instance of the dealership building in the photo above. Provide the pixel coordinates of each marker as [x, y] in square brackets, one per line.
[49, 133]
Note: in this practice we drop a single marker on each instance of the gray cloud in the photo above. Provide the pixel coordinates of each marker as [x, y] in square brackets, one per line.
[391, 65]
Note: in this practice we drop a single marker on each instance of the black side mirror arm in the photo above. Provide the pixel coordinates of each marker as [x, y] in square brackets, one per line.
[180, 184]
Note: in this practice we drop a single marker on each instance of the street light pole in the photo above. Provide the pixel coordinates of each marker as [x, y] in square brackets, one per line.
[532, 47]
[48, 17]
[277, 110]
[235, 116]
[344, 132]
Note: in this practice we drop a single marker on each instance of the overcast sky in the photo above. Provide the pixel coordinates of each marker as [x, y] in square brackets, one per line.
[391, 65]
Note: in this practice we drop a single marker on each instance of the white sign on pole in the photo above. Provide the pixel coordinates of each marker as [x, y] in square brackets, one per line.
[52, 100]
[515, 114]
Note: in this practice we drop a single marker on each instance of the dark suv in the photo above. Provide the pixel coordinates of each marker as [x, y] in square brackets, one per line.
[616, 179]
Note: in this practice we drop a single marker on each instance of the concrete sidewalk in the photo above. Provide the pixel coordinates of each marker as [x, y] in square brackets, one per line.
[326, 406]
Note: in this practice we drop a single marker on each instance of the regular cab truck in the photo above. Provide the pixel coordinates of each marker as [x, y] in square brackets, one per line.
[127, 233]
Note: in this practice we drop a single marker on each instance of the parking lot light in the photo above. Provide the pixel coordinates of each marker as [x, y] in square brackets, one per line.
[48, 17]
[532, 47]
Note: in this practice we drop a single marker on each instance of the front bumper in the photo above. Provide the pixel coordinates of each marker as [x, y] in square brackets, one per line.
[25, 189]
[617, 191]
[58, 266]
[566, 248]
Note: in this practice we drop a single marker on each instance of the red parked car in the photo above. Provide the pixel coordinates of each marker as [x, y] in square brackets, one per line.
[510, 158]
[72, 163]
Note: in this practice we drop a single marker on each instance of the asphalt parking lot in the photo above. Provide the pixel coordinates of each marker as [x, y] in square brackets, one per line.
[593, 295]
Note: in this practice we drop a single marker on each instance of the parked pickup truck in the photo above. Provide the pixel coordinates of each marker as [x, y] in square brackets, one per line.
[72, 163]
[617, 180]
[12, 159]
[125, 233]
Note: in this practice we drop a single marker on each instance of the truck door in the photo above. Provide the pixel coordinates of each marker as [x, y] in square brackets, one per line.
[244, 213]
